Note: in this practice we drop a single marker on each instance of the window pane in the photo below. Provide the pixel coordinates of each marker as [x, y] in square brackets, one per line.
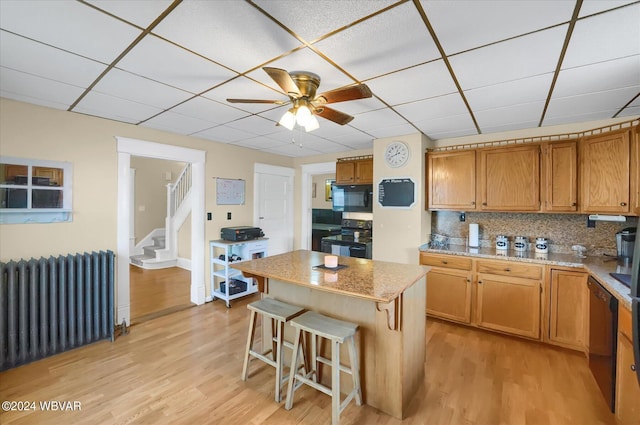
[14, 174]
[13, 198]
[46, 198]
[47, 176]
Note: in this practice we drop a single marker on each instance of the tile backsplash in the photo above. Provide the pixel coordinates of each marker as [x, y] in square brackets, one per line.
[562, 230]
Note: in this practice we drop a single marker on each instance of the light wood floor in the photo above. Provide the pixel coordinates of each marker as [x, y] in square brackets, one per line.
[155, 293]
[184, 368]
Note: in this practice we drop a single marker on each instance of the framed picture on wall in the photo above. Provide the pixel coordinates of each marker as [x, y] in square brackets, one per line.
[327, 189]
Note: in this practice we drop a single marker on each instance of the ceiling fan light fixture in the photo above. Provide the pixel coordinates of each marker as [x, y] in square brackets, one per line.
[288, 120]
[303, 115]
[313, 124]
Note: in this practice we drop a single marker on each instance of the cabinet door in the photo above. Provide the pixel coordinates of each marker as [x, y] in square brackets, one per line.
[364, 171]
[560, 187]
[510, 305]
[345, 172]
[568, 309]
[627, 387]
[449, 294]
[605, 173]
[452, 180]
[509, 179]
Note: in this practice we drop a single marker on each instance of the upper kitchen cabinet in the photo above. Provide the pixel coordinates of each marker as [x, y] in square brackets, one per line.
[451, 180]
[509, 178]
[354, 170]
[635, 172]
[560, 177]
[605, 170]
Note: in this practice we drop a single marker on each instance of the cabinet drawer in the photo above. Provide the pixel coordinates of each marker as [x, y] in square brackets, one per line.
[624, 322]
[504, 268]
[445, 261]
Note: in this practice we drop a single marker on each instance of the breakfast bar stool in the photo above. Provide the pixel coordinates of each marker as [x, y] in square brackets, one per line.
[279, 313]
[337, 332]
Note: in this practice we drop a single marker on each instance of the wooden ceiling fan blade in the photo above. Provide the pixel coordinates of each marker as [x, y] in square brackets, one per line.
[284, 80]
[333, 115]
[361, 91]
[277, 102]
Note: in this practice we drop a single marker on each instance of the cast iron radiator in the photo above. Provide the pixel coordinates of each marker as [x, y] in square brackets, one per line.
[48, 306]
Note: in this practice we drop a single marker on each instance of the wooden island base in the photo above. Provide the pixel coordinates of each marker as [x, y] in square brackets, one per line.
[392, 361]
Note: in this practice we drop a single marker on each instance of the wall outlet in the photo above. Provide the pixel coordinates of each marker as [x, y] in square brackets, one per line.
[229, 216]
[463, 216]
[209, 216]
[591, 223]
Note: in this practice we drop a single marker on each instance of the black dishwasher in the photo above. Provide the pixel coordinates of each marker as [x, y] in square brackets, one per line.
[603, 338]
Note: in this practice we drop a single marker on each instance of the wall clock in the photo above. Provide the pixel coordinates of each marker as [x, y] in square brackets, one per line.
[396, 154]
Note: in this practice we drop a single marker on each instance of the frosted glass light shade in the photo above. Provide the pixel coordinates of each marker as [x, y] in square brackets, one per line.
[313, 124]
[303, 115]
[288, 120]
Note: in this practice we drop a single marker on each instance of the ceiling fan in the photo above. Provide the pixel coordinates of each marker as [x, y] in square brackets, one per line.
[301, 87]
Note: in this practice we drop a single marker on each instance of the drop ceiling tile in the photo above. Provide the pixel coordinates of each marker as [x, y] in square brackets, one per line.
[259, 143]
[164, 62]
[255, 125]
[449, 126]
[232, 33]
[29, 56]
[68, 25]
[515, 92]
[359, 106]
[574, 118]
[141, 13]
[328, 15]
[115, 108]
[387, 42]
[244, 88]
[224, 134]
[429, 109]
[522, 57]
[630, 111]
[208, 110]
[529, 113]
[292, 150]
[137, 89]
[324, 146]
[590, 7]
[305, 60]
[373, 120]
[177, 123]
[591, 103]
[598, 77]
[428, 80]
[608, 36]
[37, 90]
[465, 24]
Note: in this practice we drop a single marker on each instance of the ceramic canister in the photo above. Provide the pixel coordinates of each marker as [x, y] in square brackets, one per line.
[520, 243]
[502, 242]
[542, 245]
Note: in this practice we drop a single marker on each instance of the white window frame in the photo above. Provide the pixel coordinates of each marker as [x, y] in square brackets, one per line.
[39, 215]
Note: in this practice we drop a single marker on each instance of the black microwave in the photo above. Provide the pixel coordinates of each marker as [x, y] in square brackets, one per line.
[352, 198]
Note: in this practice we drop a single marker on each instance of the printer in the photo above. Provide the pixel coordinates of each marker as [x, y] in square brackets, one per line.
[241, 233]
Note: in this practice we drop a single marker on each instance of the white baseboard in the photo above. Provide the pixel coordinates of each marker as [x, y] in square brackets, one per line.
[184, 263]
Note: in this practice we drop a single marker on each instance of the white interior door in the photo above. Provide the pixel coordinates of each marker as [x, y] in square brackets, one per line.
[274, 206]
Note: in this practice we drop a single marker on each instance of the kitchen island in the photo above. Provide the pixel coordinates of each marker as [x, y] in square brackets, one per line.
[387, 301]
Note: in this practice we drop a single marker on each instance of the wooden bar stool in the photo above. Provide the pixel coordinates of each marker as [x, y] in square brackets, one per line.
[279, 313]
[337, 332]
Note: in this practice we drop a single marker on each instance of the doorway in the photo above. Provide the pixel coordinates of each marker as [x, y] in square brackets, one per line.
[308, 171]
[132, 147]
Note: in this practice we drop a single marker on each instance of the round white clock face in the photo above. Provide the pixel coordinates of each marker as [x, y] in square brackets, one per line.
[396, 154]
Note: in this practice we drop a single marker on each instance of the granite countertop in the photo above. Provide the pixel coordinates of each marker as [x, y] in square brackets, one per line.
[325, 226]
[378, 281]
[598, 266]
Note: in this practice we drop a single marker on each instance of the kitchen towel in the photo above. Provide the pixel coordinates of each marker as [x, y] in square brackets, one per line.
[473, 235]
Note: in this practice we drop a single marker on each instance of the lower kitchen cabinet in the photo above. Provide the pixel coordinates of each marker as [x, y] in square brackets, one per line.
[509, 304]
[568, 309]
[627, 387]
[449, 287]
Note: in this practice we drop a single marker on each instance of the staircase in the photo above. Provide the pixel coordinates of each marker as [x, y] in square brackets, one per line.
[159, 249]
[150, 258]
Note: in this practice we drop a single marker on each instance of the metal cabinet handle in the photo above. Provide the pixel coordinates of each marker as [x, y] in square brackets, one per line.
[445, 262]
[507, 269]
[473, 202]
[573, 204]
[484, 203]
[623, 204]
[479, 282]
[633, 367]
[468, 280]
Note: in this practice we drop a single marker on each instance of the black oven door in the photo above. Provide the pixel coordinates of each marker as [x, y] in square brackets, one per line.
[358, 251]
